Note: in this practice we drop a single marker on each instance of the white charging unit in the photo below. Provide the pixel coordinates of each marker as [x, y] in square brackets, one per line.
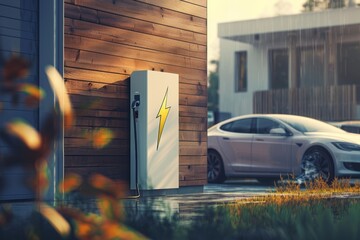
[157, 130]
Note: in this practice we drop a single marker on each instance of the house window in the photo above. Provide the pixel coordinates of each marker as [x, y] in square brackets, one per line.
[348, 63]
[279, 68]
[240, 71]
[311, 64]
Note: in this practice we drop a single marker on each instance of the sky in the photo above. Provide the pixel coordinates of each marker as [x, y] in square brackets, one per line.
[236, 10]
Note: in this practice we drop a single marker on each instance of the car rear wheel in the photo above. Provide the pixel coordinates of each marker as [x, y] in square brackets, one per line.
[317, 163]
[215, 168]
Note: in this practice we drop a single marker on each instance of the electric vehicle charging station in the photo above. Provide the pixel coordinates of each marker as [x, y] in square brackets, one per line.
[154, 130]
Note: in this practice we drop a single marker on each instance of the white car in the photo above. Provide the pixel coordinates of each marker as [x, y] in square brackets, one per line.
[266, 146]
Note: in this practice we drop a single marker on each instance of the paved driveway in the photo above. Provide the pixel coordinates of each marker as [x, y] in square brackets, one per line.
[189, 205]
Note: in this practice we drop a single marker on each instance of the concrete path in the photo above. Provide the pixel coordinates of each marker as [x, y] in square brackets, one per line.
[189, 206]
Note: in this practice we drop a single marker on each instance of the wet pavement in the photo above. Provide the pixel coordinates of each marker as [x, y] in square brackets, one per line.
[188, 206]
[219, 193]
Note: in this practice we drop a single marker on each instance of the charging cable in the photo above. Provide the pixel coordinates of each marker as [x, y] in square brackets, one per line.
[134, 105]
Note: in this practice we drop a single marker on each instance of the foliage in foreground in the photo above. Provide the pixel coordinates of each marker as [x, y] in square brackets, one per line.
[30, 149]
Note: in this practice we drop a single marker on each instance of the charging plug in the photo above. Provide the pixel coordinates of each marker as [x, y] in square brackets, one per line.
[135, 104]
[137, 99]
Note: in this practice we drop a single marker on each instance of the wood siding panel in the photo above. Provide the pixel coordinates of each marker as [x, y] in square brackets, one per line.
[133, 24]
[103, 62]
[87, 132]
[31, 5]
[105, 41]
[131, 38]
[114, 49]
[180, 6]
[202, 3]
[148, 13]
[19, 13]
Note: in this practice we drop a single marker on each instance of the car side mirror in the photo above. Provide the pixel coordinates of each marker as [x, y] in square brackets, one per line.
[278, 131]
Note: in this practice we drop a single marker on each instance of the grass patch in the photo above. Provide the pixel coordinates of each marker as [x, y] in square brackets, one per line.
[258, 221]
[314, 211]
[318, 186]
[325, 219]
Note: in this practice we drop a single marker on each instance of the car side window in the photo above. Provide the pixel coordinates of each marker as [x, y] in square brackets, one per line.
[352, 129]
[264, 125]
[238, 126]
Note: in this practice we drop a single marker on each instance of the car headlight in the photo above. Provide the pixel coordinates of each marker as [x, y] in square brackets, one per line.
[346, 146]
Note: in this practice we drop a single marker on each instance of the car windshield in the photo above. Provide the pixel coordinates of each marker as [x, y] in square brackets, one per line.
[304, 124]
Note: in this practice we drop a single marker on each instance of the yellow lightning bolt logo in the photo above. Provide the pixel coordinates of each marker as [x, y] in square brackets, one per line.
[162, 114]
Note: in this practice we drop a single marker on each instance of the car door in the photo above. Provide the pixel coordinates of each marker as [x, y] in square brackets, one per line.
[271, 153]
[236, 144]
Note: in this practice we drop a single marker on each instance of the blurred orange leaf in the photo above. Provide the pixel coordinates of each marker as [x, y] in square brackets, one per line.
[32, 90]
[106, 186]
[110, 209]
[84, 230]
[16, 67]
[102, 137]
[34, 94]
[101, 182]
[58, 86]
[42, 183]
[79, 216]
[55, 219]
[25, 132]
[71, 182]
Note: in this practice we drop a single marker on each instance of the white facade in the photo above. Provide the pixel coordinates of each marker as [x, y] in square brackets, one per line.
[320, 32]
[239, 103]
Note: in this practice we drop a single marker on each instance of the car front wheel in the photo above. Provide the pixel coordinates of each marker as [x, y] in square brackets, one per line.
[215, 168]
[317, 163]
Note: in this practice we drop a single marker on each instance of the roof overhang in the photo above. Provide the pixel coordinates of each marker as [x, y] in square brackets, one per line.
[250, 31]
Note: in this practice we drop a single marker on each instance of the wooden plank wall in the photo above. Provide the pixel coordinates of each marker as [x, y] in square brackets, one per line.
[328, 103]
[105, 41]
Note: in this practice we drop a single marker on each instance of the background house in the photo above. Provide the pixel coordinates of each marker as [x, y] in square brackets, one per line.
[97, 45]
[305, 64]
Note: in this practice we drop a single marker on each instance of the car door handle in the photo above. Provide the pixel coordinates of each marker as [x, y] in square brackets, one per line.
[259, 139]
[226, 138]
